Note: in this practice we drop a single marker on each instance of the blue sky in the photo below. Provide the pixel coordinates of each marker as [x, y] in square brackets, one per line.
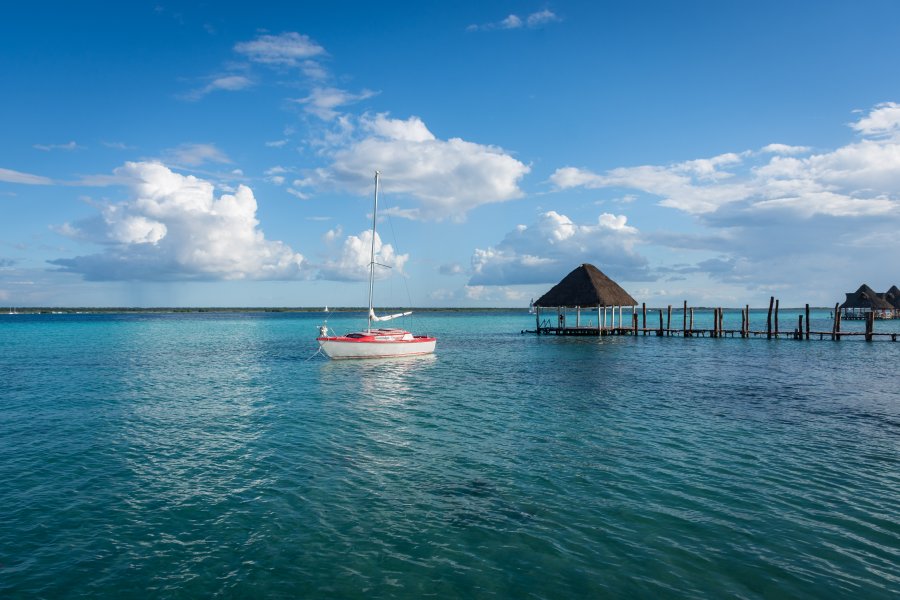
[168, 154]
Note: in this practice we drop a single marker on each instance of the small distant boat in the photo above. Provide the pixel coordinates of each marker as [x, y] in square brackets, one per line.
[326, 308]
[375, 343]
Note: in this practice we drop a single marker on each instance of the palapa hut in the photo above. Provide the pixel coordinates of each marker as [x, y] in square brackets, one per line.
[584, 288]
[892, 296]
[866, 300]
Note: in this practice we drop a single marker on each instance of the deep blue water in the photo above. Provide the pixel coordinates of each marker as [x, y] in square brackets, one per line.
[190, 455]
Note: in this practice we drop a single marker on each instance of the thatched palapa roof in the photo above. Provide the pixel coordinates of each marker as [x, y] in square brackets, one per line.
[892, 296]
[866, 297]
[586, 286]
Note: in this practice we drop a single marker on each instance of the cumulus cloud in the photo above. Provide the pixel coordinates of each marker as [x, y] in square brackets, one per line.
[546, 250]
[532, 21]
[445, 178]
[11, 176]
[174, 228]
[883, 120]
[353, 263]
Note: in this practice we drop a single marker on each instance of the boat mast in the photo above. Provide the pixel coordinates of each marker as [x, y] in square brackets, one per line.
[372, 256]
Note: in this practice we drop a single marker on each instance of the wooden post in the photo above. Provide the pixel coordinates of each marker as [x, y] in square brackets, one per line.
[634, 323]
[776, 319]
[684, 321]
[743, 322]
[747, 309]
[537, 319]
[807, 321]
[870, 325]
[799, 327]
[660, 332]
[837, 322]
[669, 321]
[715, 327]
[834, 323]
[644, 311]
[769, 318]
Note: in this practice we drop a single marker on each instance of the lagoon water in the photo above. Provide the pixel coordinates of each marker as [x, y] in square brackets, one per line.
[197, 455]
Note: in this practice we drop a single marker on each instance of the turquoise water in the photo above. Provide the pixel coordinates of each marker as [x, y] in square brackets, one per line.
[200, 455]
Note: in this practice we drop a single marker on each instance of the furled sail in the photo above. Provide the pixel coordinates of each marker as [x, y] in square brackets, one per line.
[386, 317]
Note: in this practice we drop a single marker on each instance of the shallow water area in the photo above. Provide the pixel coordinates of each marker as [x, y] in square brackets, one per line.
[181, 455]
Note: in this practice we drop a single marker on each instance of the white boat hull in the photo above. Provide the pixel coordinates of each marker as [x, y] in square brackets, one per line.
[347, 349]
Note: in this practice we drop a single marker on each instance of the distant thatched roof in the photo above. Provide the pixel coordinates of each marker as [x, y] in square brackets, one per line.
[892, 296]
[586, 286]
[866, 297]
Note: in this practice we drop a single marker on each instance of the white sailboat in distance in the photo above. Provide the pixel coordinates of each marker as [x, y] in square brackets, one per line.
[380, 342]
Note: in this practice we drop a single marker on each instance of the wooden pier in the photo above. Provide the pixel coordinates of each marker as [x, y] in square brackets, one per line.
[639, 325]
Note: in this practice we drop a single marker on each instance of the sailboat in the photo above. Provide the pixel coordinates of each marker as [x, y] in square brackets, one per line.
[380, 342]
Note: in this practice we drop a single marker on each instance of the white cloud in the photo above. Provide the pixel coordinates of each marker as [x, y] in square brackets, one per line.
[446, 178]
[289, 49]
[353, 263]
[691, 186]
[802, 222]
[276, 143]
[859, 179]
[785, 149]
[297, 194]
[276, 175]
[11, 176]
[322, 101]
[333, 234]
[511, 22]
[173, 227]
[67, 146]
[194, 155]
[883, 120]
[545, 251]
[532, 21]
[230, 83]
[541, 18]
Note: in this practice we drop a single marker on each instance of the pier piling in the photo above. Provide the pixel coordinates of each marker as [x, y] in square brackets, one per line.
[776, 318]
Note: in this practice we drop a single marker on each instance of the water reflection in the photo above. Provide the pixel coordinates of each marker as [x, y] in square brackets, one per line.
[380, 381]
